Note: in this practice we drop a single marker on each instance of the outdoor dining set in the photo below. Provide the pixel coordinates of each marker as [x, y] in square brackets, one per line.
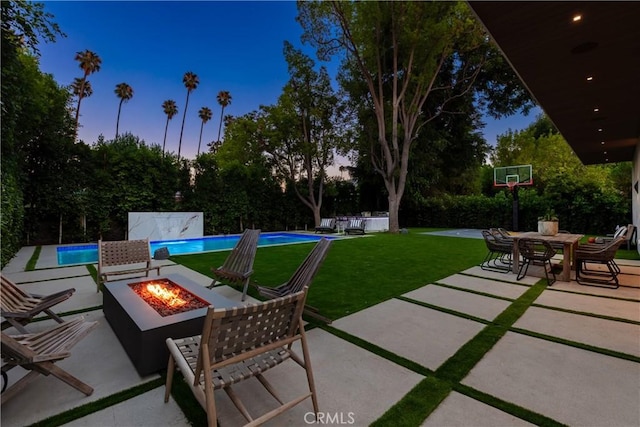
[516, 252]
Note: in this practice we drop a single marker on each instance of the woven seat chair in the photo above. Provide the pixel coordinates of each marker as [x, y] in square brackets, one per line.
[537, 252]
[586, 254]
[39, 352]
[19, 307]
[237, 344]
[499, 253]
[238, 267]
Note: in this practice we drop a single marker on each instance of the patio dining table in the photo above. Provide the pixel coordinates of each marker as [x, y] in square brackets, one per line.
[569, 244]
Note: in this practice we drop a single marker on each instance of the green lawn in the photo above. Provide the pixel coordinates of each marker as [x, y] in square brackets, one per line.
[359, 272]
[362, 272]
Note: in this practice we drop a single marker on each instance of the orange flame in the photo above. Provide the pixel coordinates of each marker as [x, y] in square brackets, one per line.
[169, 297]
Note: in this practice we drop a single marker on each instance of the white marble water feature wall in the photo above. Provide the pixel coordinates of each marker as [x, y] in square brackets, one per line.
[165, 225]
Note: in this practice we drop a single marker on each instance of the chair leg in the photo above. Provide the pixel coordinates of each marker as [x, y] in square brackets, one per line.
[171, 368]
[525, 267]
[244, 290]
[70, 379]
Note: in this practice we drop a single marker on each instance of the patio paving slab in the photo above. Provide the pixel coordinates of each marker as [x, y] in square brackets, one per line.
[621, 292]
[426, 336]
[619, 336]
[506, 277]
[19, 260]
[570, 385]
[465, 302]
[486, 286]
[458, 410]
[140, 411]
[590, 304]
[98, 360]
[48, 274]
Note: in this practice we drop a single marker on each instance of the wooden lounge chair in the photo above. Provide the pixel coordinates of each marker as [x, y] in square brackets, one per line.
[39, 352]
[537, 252]
[301, 278]
[499, 253]
[121, 257]
[586, 254]
[19, 307]
[237, 344]
[356, 226]
[327, 225]
[238, 267]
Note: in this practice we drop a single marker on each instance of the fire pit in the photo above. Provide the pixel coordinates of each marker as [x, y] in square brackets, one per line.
[142, 321]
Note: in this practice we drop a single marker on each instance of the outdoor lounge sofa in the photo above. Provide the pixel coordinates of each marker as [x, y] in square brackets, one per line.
[356, 226]
[327, 225]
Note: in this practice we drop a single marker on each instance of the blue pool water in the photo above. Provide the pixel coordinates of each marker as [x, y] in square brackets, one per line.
[84, 254]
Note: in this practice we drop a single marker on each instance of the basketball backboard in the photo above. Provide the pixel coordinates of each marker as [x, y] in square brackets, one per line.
[509, 176]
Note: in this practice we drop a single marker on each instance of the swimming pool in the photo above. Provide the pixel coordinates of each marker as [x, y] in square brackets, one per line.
[84, 254]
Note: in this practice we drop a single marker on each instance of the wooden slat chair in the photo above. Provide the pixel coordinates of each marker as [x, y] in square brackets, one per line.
[121, 257]
[302, 277]
[19, 307]
[238, 267]
[356, 226]
[237, 344]
[39, 352]
[327, 225]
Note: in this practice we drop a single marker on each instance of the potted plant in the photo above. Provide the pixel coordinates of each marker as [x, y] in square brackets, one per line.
[548, 223]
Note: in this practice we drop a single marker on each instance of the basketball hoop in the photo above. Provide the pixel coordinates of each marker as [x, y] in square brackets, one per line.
[511, 185]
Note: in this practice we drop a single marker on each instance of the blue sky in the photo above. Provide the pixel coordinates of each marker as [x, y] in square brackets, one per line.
[234, 46]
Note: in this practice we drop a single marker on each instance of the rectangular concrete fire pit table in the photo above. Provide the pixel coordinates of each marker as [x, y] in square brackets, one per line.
[142, 331]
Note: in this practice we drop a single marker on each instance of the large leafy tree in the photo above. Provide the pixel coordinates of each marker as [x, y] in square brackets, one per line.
[399, 50]
[224, 99]
[190, 81]
[125, 93]
[170, 109]
[90, 63]
[205, 115]
[301, 132]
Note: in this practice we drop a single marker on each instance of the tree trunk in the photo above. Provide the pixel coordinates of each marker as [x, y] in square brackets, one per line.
[60, 231]
[394, 205]
[316, 216]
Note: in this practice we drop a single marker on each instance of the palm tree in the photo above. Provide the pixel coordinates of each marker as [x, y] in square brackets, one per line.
[190, 81]
[170, 109]
[205, 115]
[224, 99]
[86, 89]
[125, 93]
[90, 63]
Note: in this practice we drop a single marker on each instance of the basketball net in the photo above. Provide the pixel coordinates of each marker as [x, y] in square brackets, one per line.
[512, 184]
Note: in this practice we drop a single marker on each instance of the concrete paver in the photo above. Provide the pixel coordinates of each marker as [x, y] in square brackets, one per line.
[503, 277]
[590, 304]
[457, 410]
[426, 336]
[486, 286]
[614, 335]
[49, 274]
[570, 385]
[464, 302]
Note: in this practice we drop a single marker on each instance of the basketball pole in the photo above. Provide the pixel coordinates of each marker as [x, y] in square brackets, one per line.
[516, 207]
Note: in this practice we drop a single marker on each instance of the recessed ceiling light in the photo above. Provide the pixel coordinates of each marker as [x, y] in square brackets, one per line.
[602, 142]
[599, 129]
[590, 78]
[595, 110]
[605, 152]
[577, 18]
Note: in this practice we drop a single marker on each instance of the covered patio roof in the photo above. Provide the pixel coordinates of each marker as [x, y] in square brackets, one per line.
[581, 63]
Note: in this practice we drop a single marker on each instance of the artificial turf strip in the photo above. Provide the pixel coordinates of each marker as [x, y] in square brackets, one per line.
[508, 407]
[416, 405]
[31, 264]
[457, 367]
[98, 405]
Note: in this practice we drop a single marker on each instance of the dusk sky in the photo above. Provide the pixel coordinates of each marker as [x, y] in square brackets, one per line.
[234, 46]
